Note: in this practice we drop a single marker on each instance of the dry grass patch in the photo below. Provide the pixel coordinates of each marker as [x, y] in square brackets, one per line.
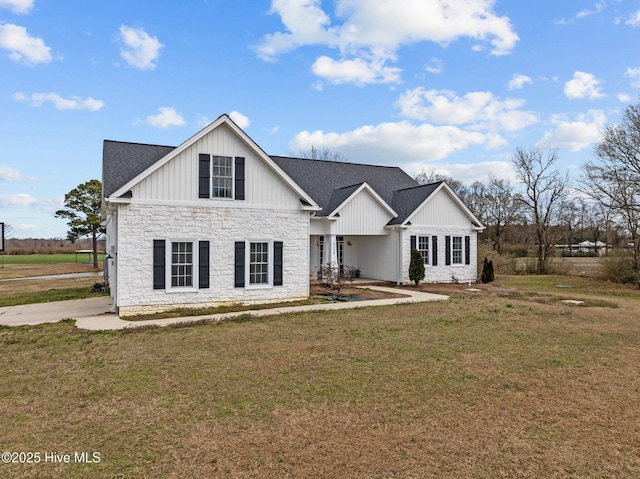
[29, 270]
[481, 386]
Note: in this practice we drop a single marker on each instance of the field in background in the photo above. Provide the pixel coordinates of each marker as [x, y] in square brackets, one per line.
[503, 382]
[65, 258]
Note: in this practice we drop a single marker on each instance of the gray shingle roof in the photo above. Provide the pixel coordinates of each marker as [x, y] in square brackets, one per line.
[329, 183]
[321, 179]
[121, 162]
[407, 200]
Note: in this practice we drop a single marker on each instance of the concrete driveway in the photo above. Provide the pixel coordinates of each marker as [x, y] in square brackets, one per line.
[54, 311]
[93, 313]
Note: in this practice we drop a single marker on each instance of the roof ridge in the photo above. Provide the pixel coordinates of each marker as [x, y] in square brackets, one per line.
[350, 186]
[335, 162]
[421, 186]
[138, 143]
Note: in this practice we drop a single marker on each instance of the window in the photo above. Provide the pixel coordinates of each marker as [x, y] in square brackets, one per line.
[182, 264]
[456, 250]
[221, 177]
[259, 263]
[423, 248]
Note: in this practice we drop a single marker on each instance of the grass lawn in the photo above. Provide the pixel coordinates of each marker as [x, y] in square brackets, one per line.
[507, 382]
[50, 258]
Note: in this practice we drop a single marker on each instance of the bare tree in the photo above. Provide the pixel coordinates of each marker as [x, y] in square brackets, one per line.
[613, 177]
[427, 176]
[545, 188]
[502, 207]
[326, 154]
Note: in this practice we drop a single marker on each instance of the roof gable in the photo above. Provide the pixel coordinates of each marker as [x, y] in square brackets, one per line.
[157, 157]
[345, 195]
[413, 200]
[322, 179]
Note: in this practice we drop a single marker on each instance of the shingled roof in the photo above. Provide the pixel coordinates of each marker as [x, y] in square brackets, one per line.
[121, 162]
[328, 181]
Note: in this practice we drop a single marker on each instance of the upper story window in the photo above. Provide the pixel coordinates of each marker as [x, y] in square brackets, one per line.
[221, 177]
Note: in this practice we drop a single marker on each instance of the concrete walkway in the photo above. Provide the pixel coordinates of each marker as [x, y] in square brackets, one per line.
[93, 314]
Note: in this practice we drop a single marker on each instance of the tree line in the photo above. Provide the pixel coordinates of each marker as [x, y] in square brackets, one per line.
[547, 207]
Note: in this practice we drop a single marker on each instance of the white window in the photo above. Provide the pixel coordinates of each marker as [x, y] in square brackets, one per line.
[181, 264]
[456, 250]
[259, 263]
[423, 248]
[221, 177]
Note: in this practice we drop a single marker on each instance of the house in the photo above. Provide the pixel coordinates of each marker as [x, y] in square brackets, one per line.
[216, 220]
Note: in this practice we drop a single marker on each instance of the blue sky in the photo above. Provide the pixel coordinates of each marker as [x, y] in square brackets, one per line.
[453, 85]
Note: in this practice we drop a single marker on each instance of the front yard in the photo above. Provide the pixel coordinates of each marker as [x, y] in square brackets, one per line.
[505, 382]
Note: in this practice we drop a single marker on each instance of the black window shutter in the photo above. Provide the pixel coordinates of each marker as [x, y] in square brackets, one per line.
[434, 251]
[277, 263]
[203, 178]
[158, 264]
[467, 250]
[203, 264]
[413, 243]
[239, 264]
[447, 250]
[239, 178]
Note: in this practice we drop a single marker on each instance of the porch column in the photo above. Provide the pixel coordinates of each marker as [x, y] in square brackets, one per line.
[332, 254]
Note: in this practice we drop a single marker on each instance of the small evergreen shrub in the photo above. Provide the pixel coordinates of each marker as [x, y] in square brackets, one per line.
[416, 267]
[487, 271]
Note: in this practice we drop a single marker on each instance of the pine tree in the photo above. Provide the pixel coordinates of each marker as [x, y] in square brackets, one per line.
[416, 267]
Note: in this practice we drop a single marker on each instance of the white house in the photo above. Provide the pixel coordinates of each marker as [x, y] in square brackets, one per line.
[216, 220]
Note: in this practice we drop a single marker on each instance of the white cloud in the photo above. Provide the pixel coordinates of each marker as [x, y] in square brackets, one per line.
[634, 74]
[479, 110]
[141, 50]
[624, 98]
[395, 143]
[436, 66]
[60, 103]
[468, 173]
[22, 47]
[372, 31]
[518, 81]
[20, 200]
[10, 174]
[239, 119]
[167, 118]
[358, 71]
[577, 134]
[598, 7]
[17, 6]
[583, 85]
[634, 20]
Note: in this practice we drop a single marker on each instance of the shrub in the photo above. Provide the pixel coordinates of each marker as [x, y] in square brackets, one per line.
[487, 271]
[416, 267]
[617, 267]
[335, 278]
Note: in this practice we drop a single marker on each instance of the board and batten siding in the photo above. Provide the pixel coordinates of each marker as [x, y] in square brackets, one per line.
[362, 215]
[377, 256]
[177, 180]
[441, 210]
